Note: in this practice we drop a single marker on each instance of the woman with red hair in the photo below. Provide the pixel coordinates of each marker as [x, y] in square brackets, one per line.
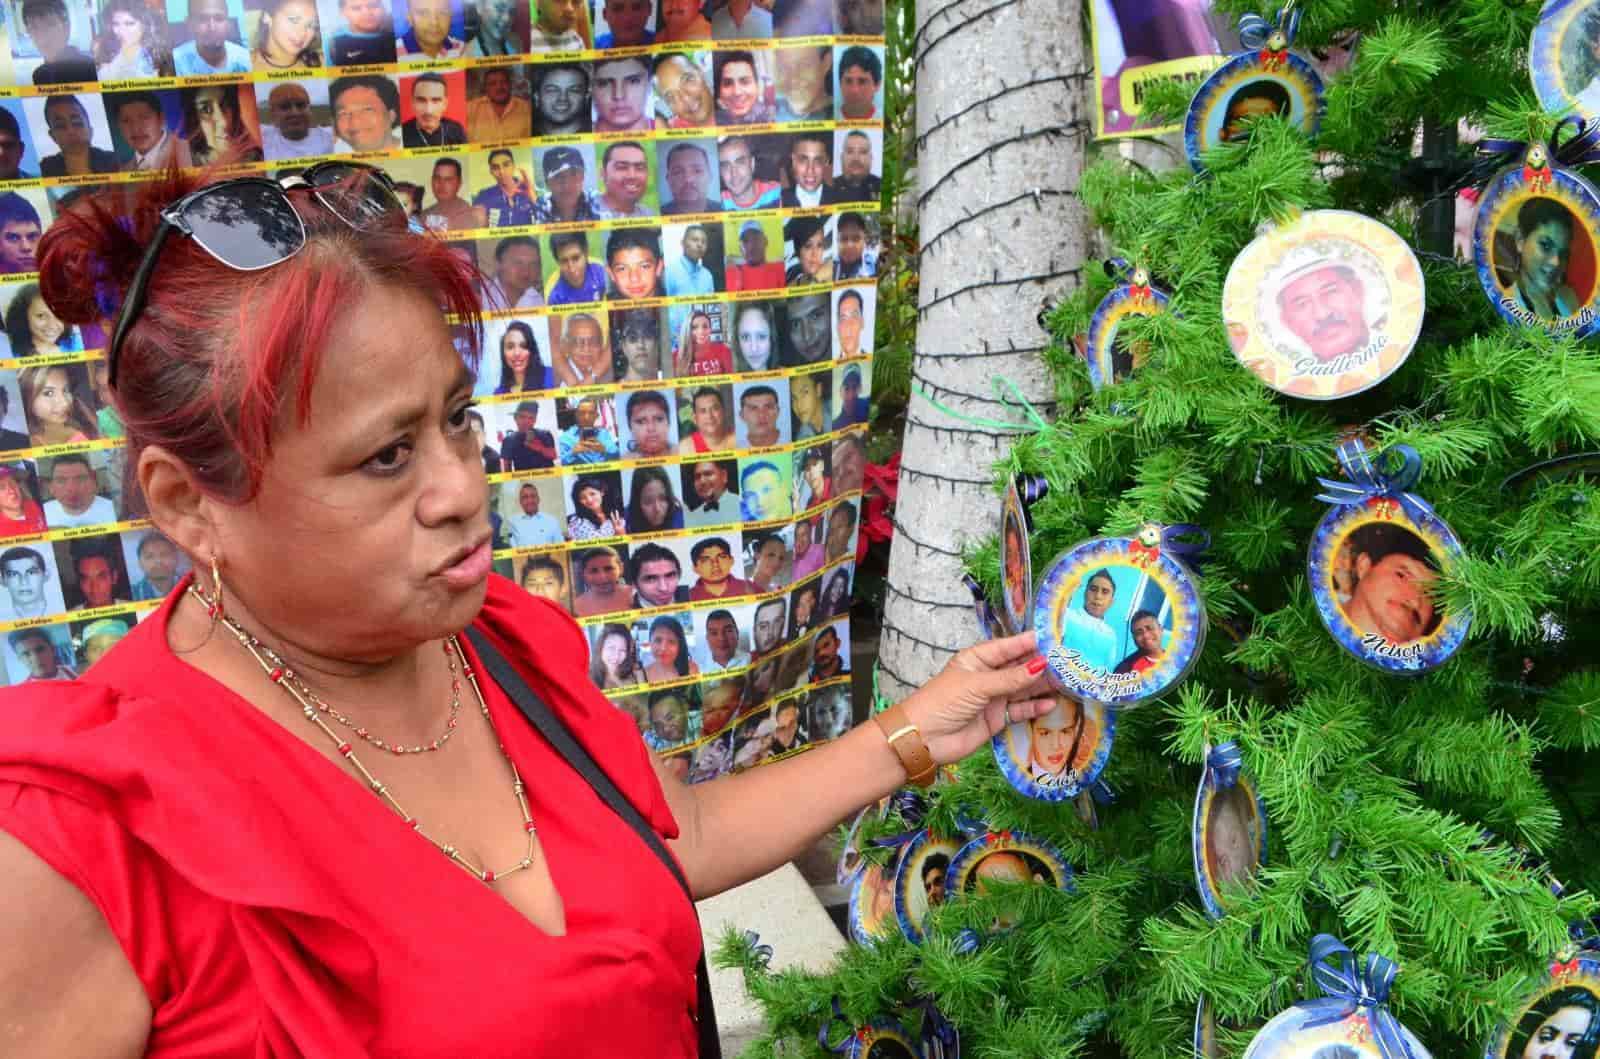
[296, 811]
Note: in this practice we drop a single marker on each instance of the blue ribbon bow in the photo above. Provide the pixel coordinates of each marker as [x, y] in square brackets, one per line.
[987, 623]
[1032, 488]
[759, 954]
[1581, 148]
[939, 1038]
[1583, 935]
[967, 941]
[1179, 541]
[1223, 765]
[1254, 30]
[1348, 988]
[1102, 793]
[827, 1024]
[911, 807]
[1369, 482]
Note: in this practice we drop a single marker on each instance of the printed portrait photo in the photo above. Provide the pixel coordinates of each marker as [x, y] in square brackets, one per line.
[598, 582]
[872, 905]
[649, 424]
[1543, 255]
[43, 652]
[529, 513]
[296, 119]
[1325, 306]
[769, 556]
[1563, 1022]
[1118, 620]
[923, 877]
[1232, 835]
[93, 573]
[637, 344]
[1016, 580]
[1579, 60]
[1382, 575]
[1057, 749]
[830, 714]
[21, 509]
[674, 718]
[544, 575]
[683, 96]
[1007, 866]
[723, 634]
[1259, 98]
[689, 181]
[561, 99]
[32, 583]
[92, 638]
[711, 759]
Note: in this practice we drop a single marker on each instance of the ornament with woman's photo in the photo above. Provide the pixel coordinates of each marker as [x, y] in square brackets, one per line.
[1109, 361]
[1534, 242]
[1119, 620]
[919, 881]
[1375, 561]
[1057, 755]
[1324, 306]
[1229, 829]
[1267, 80]
[1560, 1017]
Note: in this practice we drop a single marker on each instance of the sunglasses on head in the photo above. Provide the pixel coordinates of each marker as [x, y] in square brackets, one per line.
[249, 224]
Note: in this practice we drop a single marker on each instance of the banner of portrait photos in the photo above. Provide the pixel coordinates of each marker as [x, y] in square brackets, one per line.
[673, 205]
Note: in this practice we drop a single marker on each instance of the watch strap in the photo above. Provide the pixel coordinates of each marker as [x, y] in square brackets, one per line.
[905, 739]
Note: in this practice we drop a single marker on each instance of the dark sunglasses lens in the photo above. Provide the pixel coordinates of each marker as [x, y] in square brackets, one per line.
[246, 225]
[358, 194]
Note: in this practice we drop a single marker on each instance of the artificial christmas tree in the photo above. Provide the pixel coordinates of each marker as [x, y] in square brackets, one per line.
[1422, 816]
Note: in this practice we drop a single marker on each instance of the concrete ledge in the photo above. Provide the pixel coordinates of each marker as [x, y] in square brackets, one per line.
[782, 909]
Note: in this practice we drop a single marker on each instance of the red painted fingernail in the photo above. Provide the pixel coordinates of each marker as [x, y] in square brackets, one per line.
[1036, 666]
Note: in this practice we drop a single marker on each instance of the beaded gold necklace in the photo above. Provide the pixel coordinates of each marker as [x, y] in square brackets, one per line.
[272, 664]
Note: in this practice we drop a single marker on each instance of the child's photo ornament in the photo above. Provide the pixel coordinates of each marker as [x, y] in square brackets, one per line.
[1374, 561]
[1324, 306]
[1266, 80]
[1119, 620]
[1016, 564]
[1351, 1020]
[1534, 241]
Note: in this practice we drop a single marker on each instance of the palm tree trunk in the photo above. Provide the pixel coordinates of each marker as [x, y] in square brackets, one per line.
[1002, 98]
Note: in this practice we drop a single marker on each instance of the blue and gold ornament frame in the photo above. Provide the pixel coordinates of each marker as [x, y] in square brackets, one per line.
[1223, 772]
[909, 873]
[1017, 771]
[1372, 497]
[963, 869]
[1549, 53]
[1133, 297]
[1539, 176]
[861, 931]
[878, 1038]
[1062, 637]
[1268, 74]
[1566, 980]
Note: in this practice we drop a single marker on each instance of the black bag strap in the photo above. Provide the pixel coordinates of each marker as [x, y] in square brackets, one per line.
[550, 726]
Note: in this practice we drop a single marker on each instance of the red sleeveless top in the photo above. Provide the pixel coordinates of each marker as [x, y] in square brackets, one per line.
[274, 907]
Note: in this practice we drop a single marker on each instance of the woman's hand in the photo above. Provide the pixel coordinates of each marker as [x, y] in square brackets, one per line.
[979, 692]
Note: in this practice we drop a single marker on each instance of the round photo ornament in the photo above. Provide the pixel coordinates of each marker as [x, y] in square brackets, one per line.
[1109, 364]
[1006, 857]
[1374, 558]
[870, 915]
[1564, 57]
[1325, 306]
[919, 881]
[1560, 1018]
[1119, 620]
[1351, 1020]
[1537, 231]
[1229, 828]
[1264, 81]
[1016, 564]
[878, 1038]
[1056, 756]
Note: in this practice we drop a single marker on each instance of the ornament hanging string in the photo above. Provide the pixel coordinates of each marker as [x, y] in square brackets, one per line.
[1370, 484]
[1348, 989]
[1007, 393]
[939, 1038]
